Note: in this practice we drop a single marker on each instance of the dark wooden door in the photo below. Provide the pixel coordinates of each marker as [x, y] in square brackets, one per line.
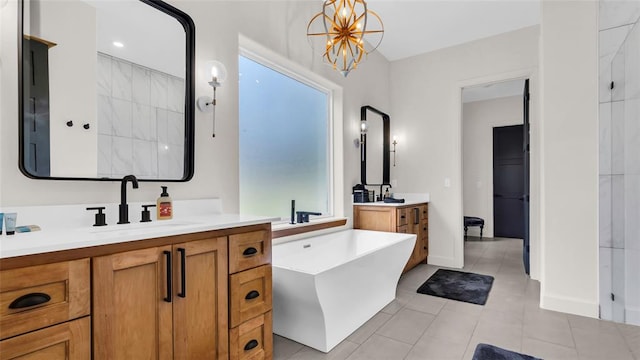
[508, 182]
[35, 125]
[527, 167]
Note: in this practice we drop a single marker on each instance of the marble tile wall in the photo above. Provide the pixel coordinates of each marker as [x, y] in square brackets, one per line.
[140, 121]
[619, 160]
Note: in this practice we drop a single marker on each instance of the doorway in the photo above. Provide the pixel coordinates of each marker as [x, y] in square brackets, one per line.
[502, 105]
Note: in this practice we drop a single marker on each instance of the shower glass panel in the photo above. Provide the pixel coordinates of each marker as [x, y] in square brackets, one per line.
[620, 236]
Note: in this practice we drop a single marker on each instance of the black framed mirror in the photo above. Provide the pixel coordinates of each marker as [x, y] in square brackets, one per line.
[374, 149]
[106, 89]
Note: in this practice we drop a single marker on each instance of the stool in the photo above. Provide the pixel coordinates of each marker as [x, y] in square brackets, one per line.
[473, 221]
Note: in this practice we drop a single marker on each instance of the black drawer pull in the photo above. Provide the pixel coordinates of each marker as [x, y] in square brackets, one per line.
[252, 295]
[249, 252]
[169, 277]
[251, 344]
[425, 247]
[183, 272]
[28, 300]
[402, 216]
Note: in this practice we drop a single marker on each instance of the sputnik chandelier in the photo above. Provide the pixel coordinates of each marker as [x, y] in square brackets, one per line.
[343, 32]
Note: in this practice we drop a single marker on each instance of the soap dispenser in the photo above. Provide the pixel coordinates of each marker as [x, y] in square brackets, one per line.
[164, 205]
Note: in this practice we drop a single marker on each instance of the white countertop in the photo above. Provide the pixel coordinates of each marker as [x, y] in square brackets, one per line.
[409, 199]
[66, 236]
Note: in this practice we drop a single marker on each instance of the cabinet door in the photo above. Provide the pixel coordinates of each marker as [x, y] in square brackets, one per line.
[200, 306]
[66, 341]
[131, 305]
[375, 218]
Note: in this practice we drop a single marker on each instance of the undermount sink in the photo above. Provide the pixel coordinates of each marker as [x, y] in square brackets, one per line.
[140, 227]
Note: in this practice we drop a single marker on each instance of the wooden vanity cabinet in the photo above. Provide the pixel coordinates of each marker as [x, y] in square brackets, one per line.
[153, 302]
[205, 295]
[190, 299]
[411, 219]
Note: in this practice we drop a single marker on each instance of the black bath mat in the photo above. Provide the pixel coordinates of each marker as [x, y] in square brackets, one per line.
[457, 285]
[490, 352]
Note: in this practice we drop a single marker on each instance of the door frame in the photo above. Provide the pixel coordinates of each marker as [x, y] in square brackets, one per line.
[534, 174]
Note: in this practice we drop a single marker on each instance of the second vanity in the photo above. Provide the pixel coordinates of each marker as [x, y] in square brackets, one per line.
[190, 288]
[411, 217]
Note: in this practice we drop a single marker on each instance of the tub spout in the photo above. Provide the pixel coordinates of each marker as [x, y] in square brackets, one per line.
[303, 216]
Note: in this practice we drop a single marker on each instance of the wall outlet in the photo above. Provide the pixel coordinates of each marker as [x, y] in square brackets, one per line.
[394, 183]
[447, 182]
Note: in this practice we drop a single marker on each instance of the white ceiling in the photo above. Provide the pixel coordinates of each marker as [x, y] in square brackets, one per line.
[414, 27]
[157, 41]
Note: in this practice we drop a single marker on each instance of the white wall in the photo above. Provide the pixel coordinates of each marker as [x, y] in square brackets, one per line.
[72, 85]
[569, 182]
[426, 108]
[478, 120]
[280, 26]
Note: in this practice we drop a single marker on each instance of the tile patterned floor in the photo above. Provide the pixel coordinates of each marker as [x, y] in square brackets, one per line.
[416, 326]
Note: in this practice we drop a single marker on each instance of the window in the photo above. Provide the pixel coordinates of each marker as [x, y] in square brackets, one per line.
[285, 141]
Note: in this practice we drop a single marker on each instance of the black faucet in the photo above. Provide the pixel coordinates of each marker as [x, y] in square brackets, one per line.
[124, 207]
[381, 193]
[303, 216]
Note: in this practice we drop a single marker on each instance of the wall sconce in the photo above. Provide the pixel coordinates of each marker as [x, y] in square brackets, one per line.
[363, 132]
[394, 143]
[217, 73]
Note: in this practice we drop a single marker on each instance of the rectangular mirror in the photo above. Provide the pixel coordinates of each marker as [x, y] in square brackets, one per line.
[374, 152]
[106, 90]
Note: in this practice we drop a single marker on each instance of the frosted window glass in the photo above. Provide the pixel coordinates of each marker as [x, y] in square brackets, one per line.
[284, 143]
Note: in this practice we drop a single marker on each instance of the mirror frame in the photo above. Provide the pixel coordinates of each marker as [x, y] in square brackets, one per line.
[386, 131]
[189, 111]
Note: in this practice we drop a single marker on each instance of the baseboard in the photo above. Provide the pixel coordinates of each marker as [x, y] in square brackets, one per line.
[443, 261]
[632, 316]
[569, 305]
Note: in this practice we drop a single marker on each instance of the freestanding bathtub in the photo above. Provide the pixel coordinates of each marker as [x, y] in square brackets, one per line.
[327, 286]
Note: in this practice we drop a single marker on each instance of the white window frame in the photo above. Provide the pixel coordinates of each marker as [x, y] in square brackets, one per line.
[266, 57]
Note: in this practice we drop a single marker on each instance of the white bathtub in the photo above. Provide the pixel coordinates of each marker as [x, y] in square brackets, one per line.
[327, 286]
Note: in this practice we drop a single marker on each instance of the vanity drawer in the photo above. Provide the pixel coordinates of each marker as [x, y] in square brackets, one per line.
[250, 294]
[252, 340]
[38, 296]
[66, 341]
[424, 212]
[249, 250]
[402, 218]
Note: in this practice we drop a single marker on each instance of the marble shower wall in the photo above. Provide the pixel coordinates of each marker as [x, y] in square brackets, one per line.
[619, 163]
[140, 121]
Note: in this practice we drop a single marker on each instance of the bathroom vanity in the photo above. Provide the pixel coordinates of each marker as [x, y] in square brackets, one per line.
[199, 289]
[410, 217]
